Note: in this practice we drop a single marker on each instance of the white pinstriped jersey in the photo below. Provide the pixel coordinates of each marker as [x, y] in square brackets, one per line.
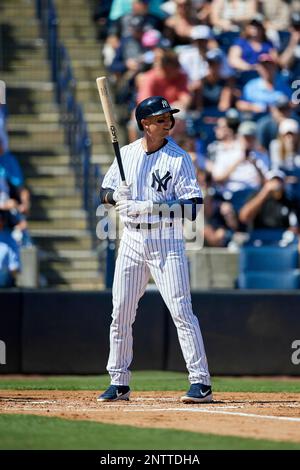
[165, 175]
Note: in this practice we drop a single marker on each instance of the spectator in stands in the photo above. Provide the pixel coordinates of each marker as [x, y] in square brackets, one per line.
[240, 165]
[231, 15]
[101, 18]
[120, 8]
[10, 166]
[152, 39]
[261, 93]
[285, 151]
[267, 126]
[167, 79]
[245, 52]
[194, 61]
[226, 137]
[121, 27]
[220, 221]
[9, 254]
[217, 93]
[270, 207]
[277, 15]
[290, 57]
[178, 27]
[203, 11]
[14, 197]
[129, 55]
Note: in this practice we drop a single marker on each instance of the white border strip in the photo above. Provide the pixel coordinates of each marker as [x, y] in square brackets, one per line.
[204, 410]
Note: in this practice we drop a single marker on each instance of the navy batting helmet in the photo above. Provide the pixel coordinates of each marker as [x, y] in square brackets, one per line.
[153, 106]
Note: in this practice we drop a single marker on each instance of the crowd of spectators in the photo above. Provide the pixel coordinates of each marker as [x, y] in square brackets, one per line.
[233, 69]
[14, 208]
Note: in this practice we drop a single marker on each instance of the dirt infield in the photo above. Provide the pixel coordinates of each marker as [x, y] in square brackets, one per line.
[274, 416]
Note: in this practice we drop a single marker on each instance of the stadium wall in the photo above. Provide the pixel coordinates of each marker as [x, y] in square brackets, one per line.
[57, 332]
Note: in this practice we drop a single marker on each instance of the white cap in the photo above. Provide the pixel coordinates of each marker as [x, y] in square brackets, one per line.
[275, 174]
[202, 31]
[247, 128]
[288, 125]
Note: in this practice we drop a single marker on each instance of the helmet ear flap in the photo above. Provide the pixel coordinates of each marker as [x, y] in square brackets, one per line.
[140, 126]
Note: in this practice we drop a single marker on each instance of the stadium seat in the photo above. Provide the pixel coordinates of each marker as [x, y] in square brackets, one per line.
[238, 198]
[6, 279]
[269, 280]
[268, 258]
[293, 189]
[271, 236]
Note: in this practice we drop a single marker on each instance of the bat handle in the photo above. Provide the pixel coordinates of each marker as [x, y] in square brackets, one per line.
[120, 164]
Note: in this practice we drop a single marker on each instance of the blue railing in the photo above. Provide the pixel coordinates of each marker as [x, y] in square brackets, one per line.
[75, 127]
[72, 118]
[48, 20]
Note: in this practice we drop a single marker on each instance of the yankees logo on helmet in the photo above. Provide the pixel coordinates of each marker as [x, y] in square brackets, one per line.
[153, 106]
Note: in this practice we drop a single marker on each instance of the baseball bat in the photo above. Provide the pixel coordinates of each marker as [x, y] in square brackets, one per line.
[107, 106]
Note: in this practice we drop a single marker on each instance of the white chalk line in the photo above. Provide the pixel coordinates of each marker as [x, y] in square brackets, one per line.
[23, 400]
[143, 410]
[215, 411]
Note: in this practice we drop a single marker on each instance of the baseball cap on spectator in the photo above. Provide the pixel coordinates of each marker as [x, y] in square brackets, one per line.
[295, 19]
[288, 126]
[137, 22]
[214, 55]
[169, 8]
[232, 114]
[247, 128]
[232, 117]
[151, 38]
[275, 174]
[282, 102]
[257, 20]
[201, 31]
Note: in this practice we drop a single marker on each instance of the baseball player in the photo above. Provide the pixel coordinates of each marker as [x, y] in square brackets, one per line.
[159, 175]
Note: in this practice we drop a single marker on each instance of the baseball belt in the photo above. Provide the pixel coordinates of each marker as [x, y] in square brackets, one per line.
[146, 226]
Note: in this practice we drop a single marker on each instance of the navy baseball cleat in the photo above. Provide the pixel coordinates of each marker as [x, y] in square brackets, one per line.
[198, 393]
[114, 393]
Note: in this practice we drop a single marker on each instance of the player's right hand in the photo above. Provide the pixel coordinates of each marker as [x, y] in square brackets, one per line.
[122, 193]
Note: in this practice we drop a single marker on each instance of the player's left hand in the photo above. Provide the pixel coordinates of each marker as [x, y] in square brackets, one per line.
[122, 192]
[134, 208]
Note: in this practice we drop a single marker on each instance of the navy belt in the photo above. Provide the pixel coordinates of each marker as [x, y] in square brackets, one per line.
[146, 226]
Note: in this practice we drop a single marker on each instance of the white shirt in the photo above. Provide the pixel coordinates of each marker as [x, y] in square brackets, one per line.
[244, 175]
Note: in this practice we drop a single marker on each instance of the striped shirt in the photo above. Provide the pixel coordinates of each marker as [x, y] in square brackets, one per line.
[165, 175]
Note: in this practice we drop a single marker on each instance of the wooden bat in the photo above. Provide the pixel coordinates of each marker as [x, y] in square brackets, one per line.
[107, 106]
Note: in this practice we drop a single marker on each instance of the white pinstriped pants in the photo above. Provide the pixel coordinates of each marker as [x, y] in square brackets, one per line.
[166, 261]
